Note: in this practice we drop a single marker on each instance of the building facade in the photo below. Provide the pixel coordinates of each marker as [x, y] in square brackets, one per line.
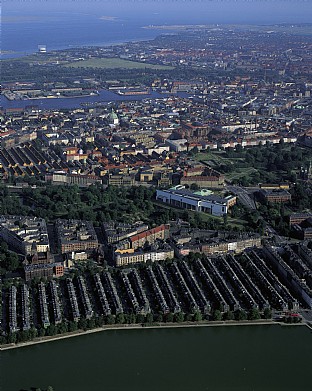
[180, 197]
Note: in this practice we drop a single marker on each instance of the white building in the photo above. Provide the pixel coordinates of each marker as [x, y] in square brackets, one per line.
[177, 145]
[186, 199]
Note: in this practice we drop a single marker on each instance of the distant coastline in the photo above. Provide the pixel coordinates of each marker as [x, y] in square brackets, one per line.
[119, 33]
[296, 28]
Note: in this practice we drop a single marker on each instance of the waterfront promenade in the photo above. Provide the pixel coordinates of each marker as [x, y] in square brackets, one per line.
[40, 340]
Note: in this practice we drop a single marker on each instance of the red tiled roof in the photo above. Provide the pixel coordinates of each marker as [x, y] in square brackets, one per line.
[150, 232]
[200, 178]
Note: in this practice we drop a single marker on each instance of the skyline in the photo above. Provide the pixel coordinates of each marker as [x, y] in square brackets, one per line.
[213, 11]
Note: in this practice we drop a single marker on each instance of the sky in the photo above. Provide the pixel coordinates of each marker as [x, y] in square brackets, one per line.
[219, 11]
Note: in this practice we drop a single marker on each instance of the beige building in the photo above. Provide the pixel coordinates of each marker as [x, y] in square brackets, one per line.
[76, 236]
[220, 247]
[129, 258]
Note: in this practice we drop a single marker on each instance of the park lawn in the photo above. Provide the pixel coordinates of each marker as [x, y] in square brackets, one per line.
[208, 155]
[35, 58]
[106, 63]
[232, 222]
[218, 156]
[240, 173]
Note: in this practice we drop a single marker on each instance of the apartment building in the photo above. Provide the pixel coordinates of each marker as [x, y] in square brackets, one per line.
[150, 236]
[275, 196]
[23, 234]
[131, 257]
[76, 236]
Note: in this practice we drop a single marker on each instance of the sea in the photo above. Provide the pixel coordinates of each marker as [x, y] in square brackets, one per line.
[61, 24]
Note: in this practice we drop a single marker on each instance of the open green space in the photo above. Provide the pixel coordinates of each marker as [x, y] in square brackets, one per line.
[208, 155]
[106, 63]
[201, 218]
[272, 163]
[33, 58]
[240, 173]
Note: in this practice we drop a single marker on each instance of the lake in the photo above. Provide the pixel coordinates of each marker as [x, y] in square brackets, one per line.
[235, 358]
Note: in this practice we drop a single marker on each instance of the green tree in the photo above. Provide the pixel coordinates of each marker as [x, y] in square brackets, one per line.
[120, 318]
[72, 326]
[240, 315]
[267, 313]
[149, 318]
[12, 338]
[63, 327]
[158, 318]
[132, 318]
[100, 320]
[225, 219]
[194, 187]
[51, 330]
[228, 315]
[33, 333]
[197, 316]
[189, 317]
[82, 324]
[179, 317]
[91, 323]
[140, 318]
[11, 262]
[110, 319]
[169, 317]
[217, 315]
[254, 314]
[3, 246]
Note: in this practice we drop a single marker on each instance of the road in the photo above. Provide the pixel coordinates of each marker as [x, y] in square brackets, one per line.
[247, 200]
[243, 196]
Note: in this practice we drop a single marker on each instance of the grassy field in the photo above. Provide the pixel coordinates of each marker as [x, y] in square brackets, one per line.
[216, 158]
[232, 222]
[33, 58]
[105, 63]
[240, 173]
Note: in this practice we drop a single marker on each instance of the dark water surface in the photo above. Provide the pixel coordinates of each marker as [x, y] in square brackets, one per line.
[238, 358]
[104, 96]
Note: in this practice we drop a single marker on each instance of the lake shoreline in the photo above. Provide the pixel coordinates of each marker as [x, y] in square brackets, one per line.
[40, 340]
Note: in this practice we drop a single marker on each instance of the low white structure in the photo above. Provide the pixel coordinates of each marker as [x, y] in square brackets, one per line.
[177, 145]
[186, 199]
